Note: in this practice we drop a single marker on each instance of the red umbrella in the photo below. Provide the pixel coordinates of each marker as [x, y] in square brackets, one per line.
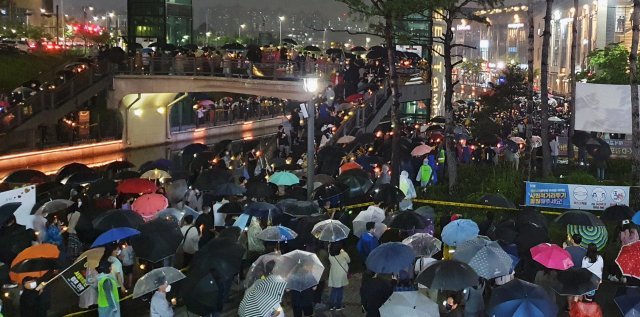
[354, 98]
[349, 166]
[552, 256]
[149, 204]
[421, 150]
[136, 186]
[628, 261]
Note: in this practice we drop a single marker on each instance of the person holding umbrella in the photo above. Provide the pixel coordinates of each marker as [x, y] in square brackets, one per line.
[160, 306]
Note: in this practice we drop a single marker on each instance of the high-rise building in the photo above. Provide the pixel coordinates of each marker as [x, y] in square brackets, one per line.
[159, 21]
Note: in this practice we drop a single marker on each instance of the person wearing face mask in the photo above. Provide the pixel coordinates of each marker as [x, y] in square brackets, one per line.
[160, 306]
[453, 307]
[116, 267]
[33, 302]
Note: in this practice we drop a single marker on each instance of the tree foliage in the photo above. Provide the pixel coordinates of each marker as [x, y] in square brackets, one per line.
[609, 65]
[512, 88]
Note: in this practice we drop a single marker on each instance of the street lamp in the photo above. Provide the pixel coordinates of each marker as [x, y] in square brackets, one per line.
[281, 20]
[368, 39]
[242, 26]
[208, 34]
[310, 86]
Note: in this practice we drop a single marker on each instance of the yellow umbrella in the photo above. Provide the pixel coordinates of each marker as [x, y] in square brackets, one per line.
[155, 174]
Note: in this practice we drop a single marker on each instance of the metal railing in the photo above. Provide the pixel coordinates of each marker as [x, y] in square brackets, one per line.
[219, 117]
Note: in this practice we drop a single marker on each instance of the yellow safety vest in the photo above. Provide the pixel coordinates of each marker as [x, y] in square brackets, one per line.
[102, 296]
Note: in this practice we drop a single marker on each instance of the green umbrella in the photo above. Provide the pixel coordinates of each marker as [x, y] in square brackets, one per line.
[284, 179]
[596, 235]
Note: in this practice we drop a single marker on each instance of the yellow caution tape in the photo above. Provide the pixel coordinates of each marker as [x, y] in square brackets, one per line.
[445, 203]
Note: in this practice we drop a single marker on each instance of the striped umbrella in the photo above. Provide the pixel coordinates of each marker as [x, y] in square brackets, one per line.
[263, 297]
[596, 235]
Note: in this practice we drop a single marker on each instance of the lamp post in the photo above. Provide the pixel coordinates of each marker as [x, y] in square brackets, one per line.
[311, 86]
[242, 26]
[208, 34]
[281, 20]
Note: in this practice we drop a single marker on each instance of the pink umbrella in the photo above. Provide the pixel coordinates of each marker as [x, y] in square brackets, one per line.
[149, 204]
[206, 103]
[421, 150]
[552, 256]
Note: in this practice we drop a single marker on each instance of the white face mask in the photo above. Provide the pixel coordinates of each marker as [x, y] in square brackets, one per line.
[118, 252]
[167, 289]
[32, 285]
[80, 204]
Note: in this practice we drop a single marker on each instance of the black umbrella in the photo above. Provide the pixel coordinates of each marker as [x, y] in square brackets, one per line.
[25, 176]
[260, 190]
[12, 243]
[579, 218]
[51, 206]
[531, 216]
[334, 51]
[407, 220]
[71, 169]
[126, 175]
[530, 236]
[116, 55]
[359, 182]
[506, 231]
[580, 138]
[52, 188]
[386, 193]
[617, 213]
[575, 281]
[7, 210]
[221, 147]
[202, 161]
[35, 265]
[231, 208]
[435, 127]
[229, 189]
[448, 275]
[329, 159]
[261, 209]
[233, 46]
[199, 292]
[117, 218]
[157, 240]
[119, 165]
[496, 200]
[193, 148]
[191, 47]
[426, 212]
[104, 186]
[81, 178]
[223, 255]
[376, 54]
[358, 49]
[210, 179]
[84, 228]
[298, 208]
[169, 47]
[600, 151]
[511, 146]
[289, 41]
[295, 192]
[438, 119]
[330, 192]
[311, 48]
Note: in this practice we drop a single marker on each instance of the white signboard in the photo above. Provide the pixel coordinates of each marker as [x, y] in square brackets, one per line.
[24, 195]
[603, 108]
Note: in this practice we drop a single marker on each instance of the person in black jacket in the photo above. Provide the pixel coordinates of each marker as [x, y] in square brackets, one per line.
[374, 292]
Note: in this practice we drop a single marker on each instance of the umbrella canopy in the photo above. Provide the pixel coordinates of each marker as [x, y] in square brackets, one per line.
[223, 254]
[260, 190]
[595, 235]
[229, 189]
[628, 301]
[636, 218]
[7, 210]
[349, 166]
[486, 257]
[284, 179]
[301, 270]
[104, 186]
[410, 304]
[423, 244]
[346, 139]
[53, 206]
[600, 151]
[263, 297]
[459, 231]
[25, 176]
[194, 148]
[334, 193]
[627, 259]
[330, 230]
[136, 186]
[617, 213]
[448, 275]
[261, 209]
[386, 193]
[390, 257]
[233, 46]
[38, 251]
[373, 214]
[117, 218]
[496, 200]
[176, 190]
[358, 181]
[298, 208]
[311, 48]
[324, 179]
[261, 268]
[156, 278]
[579, 217]
[93, 257]
[231, 208]
[289, 41]
[119, 165]
[518, 140]
[173, 214]
[576, 282]
[421, 150]
[426, 212]
[157, 240]
[122, 175]
[530, 216]
[518, 298]
[71, 169]
[114, 235]
[277, 233]
[155, 174]
[148, 205]
[35, 265]
[506, 231]
[199, 291]
[407, 221]
[552, 256]
[81, 178]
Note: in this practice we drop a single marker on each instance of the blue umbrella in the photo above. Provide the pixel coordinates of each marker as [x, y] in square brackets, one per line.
[261, 209]
[459, 231]
[277, 233]
[162, 164]
[390, 257]
[521, 299]
[114, 235]
[242, 221]
[628, 300]
[636, 218]
[486, 257]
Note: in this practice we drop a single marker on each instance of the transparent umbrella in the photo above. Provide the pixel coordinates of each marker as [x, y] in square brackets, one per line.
[300, 269]
[263, 266]
[156, 278]
[372, 214]
[277, 234]
[409, 304]
[423, 244]
[330, 230]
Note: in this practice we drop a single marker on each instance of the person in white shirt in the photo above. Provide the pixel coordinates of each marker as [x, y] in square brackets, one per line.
[116, 267]
[593, 261]
[218, 218]
[191, 237]
[555, 151]
[160, 306]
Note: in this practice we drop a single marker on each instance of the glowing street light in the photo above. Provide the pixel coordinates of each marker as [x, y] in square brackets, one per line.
[310, 86]
[281, 20]
[242, 26]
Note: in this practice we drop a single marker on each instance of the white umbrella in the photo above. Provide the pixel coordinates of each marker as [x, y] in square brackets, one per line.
[372, 214]
[346, 139]
[555, 119]
[409, 304]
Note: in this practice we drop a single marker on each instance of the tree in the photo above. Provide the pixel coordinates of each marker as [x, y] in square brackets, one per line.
[544, 91]
[530, 76]
[472, 68]
[389, 12]
[635, 103]
[572, 77]
[609, 65]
